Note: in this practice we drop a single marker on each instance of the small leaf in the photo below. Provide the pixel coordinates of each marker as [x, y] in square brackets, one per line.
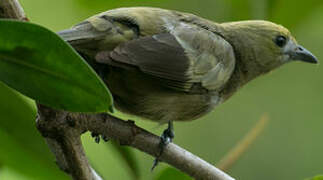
[39, 64]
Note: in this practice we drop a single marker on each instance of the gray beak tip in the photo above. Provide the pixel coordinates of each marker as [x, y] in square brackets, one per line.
[312, 60]
[304, 55]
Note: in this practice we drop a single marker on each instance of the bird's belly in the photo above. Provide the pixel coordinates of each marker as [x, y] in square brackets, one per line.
[167, 107]
[137, 94]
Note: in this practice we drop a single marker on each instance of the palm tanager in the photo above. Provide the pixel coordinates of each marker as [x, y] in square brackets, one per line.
[165, 65]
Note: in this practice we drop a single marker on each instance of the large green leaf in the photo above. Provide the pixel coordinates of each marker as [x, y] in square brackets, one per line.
[39, 64]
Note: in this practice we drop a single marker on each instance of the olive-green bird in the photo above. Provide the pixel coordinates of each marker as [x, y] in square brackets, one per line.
[166, 65]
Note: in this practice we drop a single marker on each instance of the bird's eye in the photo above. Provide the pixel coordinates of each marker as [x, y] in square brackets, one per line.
[280, 41]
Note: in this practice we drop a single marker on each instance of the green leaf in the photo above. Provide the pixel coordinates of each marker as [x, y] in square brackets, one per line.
[318, 177]
[16, 156]
[39, 64]
[22, 147]
[128, 157]
[8, 173]
[172, 173]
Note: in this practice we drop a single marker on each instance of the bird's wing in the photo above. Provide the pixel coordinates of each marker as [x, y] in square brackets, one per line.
[99, 33]
[183, 57]
[106, 30]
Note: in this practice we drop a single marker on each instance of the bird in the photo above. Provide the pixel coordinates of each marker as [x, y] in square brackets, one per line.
[165, 65]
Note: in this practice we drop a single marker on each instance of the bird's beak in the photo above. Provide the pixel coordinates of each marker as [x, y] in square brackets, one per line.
[302, 54]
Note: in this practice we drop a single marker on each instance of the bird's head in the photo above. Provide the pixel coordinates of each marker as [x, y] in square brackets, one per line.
[263, 45]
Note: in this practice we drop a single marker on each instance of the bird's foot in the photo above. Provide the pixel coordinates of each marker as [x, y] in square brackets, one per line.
[166, 138]
[97, 137]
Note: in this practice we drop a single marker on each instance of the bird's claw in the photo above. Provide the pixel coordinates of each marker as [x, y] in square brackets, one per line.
[166, 138]
[97, 137]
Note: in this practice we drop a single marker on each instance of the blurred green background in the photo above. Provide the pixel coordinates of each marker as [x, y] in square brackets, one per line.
[290, 147]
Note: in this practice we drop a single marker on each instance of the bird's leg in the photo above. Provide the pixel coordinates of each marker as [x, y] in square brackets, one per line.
[168, 134]
[97, 137]
[167, 137]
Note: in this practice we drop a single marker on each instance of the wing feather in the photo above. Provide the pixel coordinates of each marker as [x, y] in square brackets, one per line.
[184, 56]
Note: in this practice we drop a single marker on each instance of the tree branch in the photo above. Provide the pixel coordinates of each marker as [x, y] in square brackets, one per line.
[53, 124]
[58, 128]
[62, 131]
[12, 9]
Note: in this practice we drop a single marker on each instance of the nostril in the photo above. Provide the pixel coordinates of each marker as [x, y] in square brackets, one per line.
[300, 48]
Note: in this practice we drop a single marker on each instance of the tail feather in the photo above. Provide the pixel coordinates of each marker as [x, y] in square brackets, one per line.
[84, 31]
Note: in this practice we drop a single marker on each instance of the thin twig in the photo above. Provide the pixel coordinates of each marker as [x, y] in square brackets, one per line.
[235, 153]
[12, 9]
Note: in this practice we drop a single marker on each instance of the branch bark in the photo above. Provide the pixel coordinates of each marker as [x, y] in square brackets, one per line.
[62, 131]
[63, 138]
[12, 9]
[54, 124]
